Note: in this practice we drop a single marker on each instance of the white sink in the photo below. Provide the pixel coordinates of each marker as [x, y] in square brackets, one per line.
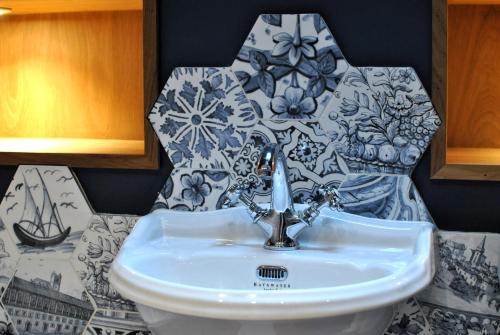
[196, 273]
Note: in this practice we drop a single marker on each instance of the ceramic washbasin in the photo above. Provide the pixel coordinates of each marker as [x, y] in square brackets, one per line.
[199, 271]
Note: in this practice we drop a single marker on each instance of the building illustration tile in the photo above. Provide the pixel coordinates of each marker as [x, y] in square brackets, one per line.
[9, 256]
[380, 119]
[6, 326]
[289, 66]
[93, 257]
[45, 210]
[45, 296]
[312, 161]
[194, 190]
[105, 322]
[391, 197]
[467, 278]
[202, 117]
[409, 320]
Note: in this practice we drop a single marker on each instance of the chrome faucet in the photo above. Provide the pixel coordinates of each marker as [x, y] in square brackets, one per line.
[281, 222]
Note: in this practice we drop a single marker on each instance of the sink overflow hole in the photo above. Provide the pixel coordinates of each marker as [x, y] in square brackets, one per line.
[270, 272]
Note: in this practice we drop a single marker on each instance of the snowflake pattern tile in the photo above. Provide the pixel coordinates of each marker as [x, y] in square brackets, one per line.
[289, 66]
[202, 118]
[311, 160]
[194, 190]
[45, 210]
[380, 119]
[391, 197]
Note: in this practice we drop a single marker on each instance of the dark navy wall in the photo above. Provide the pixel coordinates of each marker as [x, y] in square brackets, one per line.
[210, 33]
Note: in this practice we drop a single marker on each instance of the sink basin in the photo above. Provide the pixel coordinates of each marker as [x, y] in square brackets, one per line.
[207, 272]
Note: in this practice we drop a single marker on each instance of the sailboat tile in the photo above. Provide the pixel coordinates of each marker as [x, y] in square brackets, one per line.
[95, 253]
[289, 66]
[380, 119]
[202, 117]
[311, 160]
[194, 190]
[9, 256]
[106, 322]
[45, 211]
[390, 197]
[46, 297]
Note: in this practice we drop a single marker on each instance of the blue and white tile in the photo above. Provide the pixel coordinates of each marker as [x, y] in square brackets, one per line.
[467, 277]
[45, 210]
[380, 119]
[194, 190]
[312, 161]
[120, 226]
[289, 66]
[6, 326]
[202, 117]
[9, 256]
[106, 322]
[409, 320]
[38, 293]
[93, 257]
[391, 197]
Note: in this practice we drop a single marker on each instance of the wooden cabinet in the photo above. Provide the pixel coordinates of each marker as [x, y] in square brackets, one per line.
[466, 89]
[77, 78]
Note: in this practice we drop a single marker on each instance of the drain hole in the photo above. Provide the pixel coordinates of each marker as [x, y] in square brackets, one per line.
[270, 272]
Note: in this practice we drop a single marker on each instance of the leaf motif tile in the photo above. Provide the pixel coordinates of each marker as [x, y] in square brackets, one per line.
[311, 160]
[289, 66]
[380, 119]
[46, 297]
[105, 322]
[194, 190]
[92, 259]
[467, 276]
[202, 117]
[392, 197]
[409, 320]
[45, 211]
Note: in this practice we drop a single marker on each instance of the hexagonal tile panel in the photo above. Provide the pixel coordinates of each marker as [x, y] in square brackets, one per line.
[312, 161]
[202, 117]
[94, 254]
[289, 66]
[380, 119]
[194, 190]
[9, 257]
[391, 197]
[409, 319]
[105, 322]
[45, 296]
[45, 210]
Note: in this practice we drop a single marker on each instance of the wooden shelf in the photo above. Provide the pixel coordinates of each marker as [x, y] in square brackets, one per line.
[78, 78]
[466, 89]
[24, 7]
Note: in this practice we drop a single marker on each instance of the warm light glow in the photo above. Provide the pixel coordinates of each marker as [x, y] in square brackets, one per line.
[5, 11]
[71, 145]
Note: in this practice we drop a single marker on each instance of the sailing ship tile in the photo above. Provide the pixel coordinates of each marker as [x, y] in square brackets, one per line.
[45, 210]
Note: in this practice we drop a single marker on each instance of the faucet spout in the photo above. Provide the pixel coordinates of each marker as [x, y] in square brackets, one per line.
[272, 166]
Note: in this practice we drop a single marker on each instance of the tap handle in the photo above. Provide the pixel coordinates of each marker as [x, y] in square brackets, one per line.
[330, 197]
[235, 195]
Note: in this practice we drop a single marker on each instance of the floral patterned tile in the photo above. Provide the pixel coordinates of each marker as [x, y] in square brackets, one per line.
[380, 119]
[289, 66]
[391, 197]
[105, 322]
[409, 320]
[312, 161]
[202, 117]
[6, 326]
[467, 277]
[38, 293]
[194, 190]
[92, 259]
[45, 210]
[9, 256]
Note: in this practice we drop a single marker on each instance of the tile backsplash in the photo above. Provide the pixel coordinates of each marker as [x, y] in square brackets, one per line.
[361, 129]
